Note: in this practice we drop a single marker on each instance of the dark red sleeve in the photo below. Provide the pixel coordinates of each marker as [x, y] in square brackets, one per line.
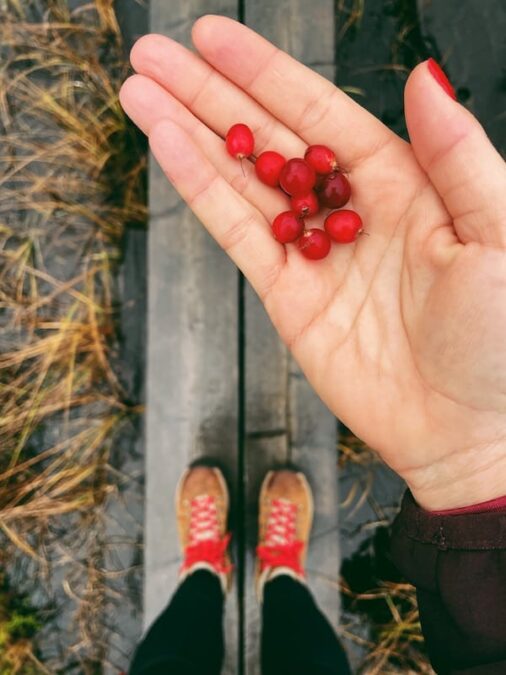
[458, 565]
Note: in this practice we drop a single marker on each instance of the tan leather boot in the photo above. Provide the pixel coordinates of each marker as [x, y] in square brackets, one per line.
[202, 514]
[285, 519]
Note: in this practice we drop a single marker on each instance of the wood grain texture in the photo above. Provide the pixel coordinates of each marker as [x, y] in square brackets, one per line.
[303, 29]
[193, 365]
[266, 445]
[192, 375]
[285, 420]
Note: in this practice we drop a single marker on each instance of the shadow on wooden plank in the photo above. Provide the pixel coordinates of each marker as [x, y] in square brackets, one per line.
[193, 378]
[192, 373]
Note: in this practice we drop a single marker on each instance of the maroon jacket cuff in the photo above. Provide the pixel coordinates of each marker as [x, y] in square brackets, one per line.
[498, 504]
[458, 565]
[468, 531]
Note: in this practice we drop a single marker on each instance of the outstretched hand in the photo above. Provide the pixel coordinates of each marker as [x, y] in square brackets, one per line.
[402, 334]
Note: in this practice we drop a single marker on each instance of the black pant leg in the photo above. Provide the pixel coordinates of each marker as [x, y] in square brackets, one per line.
[296, 637]
[187, 638]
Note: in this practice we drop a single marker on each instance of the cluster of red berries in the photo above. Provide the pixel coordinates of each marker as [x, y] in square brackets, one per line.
[311, 183]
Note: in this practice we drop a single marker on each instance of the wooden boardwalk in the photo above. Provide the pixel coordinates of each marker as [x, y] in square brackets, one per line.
[219, 381]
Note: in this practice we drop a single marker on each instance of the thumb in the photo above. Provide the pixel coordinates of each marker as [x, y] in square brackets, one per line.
[461, 162]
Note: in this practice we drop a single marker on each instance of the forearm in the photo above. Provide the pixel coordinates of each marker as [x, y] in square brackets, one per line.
[458, 565]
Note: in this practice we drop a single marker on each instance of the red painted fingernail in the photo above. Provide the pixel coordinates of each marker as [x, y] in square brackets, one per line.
[438, 74]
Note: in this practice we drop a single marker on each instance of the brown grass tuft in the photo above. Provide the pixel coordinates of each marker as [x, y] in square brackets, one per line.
[71, 180]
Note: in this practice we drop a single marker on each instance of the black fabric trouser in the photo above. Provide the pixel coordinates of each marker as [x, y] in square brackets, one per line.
[187, 638]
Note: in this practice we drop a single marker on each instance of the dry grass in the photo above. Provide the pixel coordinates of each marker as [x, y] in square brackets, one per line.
[396, 641]
[357, 457]
[351, 13]
[397, 644]
[374, 595]
[71, 179]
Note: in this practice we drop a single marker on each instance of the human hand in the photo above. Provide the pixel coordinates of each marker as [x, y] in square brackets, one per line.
[402, 334]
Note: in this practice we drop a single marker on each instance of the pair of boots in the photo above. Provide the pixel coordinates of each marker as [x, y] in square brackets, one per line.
[187, 638]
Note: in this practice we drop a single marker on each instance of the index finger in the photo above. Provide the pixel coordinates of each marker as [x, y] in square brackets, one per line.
[307, 103]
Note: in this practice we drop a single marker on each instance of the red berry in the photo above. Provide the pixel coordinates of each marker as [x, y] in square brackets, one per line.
[321, 158]
[314, 244]
[268, 166]
[286, 227]
[335, 191]
[305, 206]
[297, 177]
[343, 226]
[319, 182]
[239, 141]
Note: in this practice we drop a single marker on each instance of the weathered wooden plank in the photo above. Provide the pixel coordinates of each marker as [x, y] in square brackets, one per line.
[297, 429]
[266, 443]
[192, 372]
[303, 29]
[285, 421]
[313, 448]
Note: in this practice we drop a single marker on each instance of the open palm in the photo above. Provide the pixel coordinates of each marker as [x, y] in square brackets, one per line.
[402, 334]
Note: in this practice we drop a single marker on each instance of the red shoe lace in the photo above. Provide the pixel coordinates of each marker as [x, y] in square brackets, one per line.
[205, 544]
[281, 548]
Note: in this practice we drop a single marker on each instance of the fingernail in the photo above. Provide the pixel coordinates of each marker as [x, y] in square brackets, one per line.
[438, 74]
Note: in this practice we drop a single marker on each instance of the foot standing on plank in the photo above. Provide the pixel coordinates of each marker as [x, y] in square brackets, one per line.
[187, 638]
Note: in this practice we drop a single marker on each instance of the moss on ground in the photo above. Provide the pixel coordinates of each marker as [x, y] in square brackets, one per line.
[19, 623]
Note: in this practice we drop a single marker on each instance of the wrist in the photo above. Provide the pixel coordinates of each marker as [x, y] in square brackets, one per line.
[444, 488]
